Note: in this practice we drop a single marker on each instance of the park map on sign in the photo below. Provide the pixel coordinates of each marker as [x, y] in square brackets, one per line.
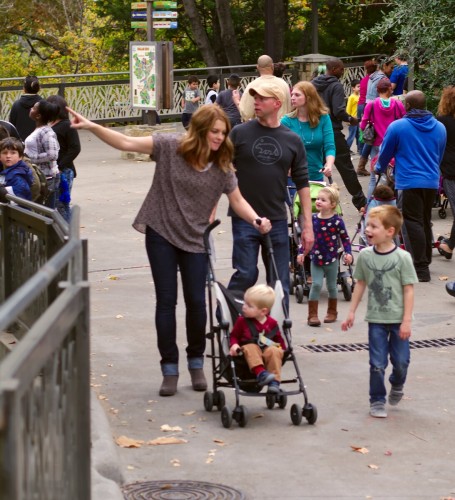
[145, 77]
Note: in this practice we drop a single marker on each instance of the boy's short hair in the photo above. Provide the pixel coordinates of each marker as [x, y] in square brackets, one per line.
[389, 216]
[211, 80]
[234, 80]
[12, 144]
[354, 83]
[193, 79]
[384, 192]
[261, 296]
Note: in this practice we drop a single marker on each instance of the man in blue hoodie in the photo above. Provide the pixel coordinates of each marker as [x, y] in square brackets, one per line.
[417, 143]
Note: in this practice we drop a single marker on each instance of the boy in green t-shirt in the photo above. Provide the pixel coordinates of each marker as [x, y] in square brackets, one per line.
[389, 274]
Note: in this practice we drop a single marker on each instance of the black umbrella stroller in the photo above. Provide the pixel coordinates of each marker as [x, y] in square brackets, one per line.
[233, 372]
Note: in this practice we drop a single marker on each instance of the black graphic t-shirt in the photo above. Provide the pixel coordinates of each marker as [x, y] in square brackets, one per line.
[263, 157]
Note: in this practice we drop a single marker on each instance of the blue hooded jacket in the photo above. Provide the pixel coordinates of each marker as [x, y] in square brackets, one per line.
[20, 178]
[417, 142]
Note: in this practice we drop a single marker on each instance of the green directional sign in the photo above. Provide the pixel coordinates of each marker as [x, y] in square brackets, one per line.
[164, 5]
[139, 24]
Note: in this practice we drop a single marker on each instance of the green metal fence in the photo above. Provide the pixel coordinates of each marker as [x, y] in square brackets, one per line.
[44, 364]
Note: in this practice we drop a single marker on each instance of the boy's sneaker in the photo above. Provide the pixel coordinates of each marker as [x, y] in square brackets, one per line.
[377, 410]
[395, 395]
[264, 378]
[274, 387]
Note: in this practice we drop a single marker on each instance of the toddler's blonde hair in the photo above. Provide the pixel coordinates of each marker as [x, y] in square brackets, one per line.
[333, 191]
[260, 296]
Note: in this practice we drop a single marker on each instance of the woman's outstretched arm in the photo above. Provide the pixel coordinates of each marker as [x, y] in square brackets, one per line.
[112, 137]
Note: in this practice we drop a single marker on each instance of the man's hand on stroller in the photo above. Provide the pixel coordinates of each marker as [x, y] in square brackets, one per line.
[235, 350]
[262, 224]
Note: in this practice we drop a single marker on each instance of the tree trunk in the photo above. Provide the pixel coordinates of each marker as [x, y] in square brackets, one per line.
[280, 27]
[228, 36]
[200, 35]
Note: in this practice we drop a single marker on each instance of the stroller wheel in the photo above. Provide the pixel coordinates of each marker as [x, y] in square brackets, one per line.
[299, 294]
[442, 213]
[311, 413]
[346, 289]
[226, 417]
[219, 399]
[270, 401]
[282, 401]
[241, 415]
[208, 401]
[296, 414]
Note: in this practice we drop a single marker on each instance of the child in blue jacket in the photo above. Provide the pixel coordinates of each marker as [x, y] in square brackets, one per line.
[16, 177]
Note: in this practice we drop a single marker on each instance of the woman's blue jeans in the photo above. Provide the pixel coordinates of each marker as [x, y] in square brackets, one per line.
[53, 185]
[383, 340]
[247, 242]
[165, 261]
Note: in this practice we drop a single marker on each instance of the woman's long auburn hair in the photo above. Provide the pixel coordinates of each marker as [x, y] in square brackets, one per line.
[194, 146]
[447, 103]
[315, 105]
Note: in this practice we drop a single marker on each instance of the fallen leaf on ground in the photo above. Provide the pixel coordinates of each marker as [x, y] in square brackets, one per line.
[113, 277]
[188, 413]
[258, 415]
[166, 440]
[102, 397]
[360, 449]
[388, 453]
[126, 442]
[443, 278]
[119, 316]
[130, 467]
[168, 428]
[372, 466]
[219, 442]
[175, 462]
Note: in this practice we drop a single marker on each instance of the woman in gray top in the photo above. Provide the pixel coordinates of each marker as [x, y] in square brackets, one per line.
[192, 172]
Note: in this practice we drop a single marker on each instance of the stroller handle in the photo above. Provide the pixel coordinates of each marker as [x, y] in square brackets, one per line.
[267, 239]
[208, 230]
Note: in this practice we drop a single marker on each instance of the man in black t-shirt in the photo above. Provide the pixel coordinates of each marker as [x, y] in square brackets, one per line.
[265, 151]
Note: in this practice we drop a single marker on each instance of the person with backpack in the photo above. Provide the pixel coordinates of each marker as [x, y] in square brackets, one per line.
[16, 178]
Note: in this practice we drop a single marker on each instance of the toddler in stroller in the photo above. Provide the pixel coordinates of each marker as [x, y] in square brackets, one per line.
[233, 371]
[257, 337]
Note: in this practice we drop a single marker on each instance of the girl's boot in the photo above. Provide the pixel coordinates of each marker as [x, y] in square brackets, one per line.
[331, 311]
[313, 319]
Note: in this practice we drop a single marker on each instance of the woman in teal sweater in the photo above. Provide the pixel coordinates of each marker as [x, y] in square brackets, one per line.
[310, 120]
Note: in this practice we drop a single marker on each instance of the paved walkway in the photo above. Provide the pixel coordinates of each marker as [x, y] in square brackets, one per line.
[410, 454]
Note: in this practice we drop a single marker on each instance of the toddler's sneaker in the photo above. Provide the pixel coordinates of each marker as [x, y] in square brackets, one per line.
[377, 410]
[395, 395]
[264, 378]
[274, 387]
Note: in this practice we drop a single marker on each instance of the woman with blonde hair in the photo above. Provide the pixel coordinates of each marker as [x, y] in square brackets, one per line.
[310, 120]
[446, 115]
[192, 172]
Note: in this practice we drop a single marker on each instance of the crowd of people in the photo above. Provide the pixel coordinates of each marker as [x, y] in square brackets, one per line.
[46, 143]
[252, 145]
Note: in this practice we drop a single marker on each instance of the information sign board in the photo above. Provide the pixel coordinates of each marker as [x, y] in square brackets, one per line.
[165, 24]
[161, 14]
[164, 5]
[138, 5]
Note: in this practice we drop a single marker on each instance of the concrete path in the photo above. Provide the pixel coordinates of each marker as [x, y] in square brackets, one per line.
[409, 455]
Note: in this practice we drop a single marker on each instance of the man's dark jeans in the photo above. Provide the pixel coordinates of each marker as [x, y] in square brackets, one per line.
[416, 205]
[346, 169]
[247, 242]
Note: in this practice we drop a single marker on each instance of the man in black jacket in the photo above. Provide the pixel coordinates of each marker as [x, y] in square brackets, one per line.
[332, 92]
[19, 115]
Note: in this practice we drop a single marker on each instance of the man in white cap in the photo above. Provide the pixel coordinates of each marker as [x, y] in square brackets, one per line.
[265, 151]
[265, 69]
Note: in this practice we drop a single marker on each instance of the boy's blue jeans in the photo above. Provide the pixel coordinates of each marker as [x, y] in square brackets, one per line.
[383, 340]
